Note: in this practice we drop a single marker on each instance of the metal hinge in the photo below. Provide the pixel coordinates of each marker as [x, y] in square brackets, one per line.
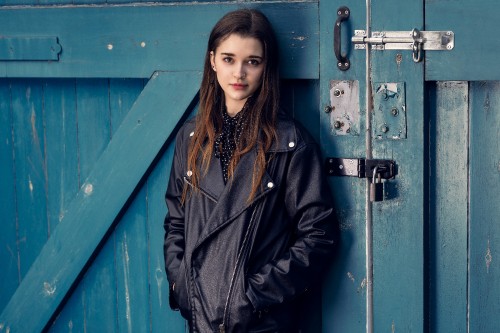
[361, 167]
[414, 40]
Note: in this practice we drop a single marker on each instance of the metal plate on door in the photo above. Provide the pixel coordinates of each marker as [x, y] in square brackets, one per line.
[344, 107]
[389, 110]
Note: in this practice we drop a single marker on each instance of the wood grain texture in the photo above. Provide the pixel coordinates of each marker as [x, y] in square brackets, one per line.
[10, 276]
[114, 177]
[344, 289]
[484, 225]
[398, 221]
[30, 169]
[449, 198]
[474, 56]
[139, 40]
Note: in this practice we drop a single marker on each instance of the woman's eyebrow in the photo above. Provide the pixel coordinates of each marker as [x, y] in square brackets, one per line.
[228, 54]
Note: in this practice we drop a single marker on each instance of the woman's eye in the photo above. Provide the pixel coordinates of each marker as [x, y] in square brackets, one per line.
[227, 59]
[254, 62]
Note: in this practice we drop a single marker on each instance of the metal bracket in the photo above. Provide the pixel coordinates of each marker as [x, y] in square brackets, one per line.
[29, 48]
[415, 40]
[360, 167]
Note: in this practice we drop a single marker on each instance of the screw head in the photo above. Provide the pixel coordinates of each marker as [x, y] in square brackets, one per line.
[337, 124]
[329, 108]
[394, 111]
[385, 129]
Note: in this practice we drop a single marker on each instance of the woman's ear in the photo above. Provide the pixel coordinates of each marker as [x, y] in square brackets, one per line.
[212, 59]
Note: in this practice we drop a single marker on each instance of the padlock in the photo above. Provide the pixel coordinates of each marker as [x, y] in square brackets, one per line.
[376, 188]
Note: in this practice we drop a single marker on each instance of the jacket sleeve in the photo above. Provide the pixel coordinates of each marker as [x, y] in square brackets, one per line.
[308, 201]
[173, 247]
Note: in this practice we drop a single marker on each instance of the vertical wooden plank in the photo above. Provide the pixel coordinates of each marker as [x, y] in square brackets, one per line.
[29, 155]
[61, 147]
[398, 221]
[163, 319]
[94, 133]
[344, 290]
[10, 277]
[448, 222]
[132, 267]
[130, 236]
[63, 178]
[484, 225]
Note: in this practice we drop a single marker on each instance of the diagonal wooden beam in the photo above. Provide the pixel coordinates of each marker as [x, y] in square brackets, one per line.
[152, 119]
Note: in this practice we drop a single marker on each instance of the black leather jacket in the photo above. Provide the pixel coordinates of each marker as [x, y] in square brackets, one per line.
[236, 265]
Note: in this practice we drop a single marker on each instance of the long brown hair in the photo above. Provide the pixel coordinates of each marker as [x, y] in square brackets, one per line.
[259, 130]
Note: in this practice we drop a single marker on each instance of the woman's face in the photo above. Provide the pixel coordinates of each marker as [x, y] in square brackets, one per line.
[238, 63]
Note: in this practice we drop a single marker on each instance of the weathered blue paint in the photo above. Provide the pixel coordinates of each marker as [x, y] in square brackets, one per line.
[484, 229]
[29, 169]
[139, 40]
[473, 23]
[109, 185]
[10, 277]
[398, 221]
[163, 319]
[344, 288]
[60, 120]
[29, 48]
[448, 207]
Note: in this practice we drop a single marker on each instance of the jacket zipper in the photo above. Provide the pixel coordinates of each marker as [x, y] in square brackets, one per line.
[201, 190]
[246, 239]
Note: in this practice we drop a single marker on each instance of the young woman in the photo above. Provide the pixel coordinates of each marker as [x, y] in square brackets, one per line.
[249, 221]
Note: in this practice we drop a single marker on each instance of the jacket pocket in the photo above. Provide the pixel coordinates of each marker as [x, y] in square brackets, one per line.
[181, 291]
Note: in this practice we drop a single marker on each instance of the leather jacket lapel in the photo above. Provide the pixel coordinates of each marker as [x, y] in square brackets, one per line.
[233, 198]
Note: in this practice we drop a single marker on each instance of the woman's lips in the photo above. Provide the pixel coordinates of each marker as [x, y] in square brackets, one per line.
[238, 86]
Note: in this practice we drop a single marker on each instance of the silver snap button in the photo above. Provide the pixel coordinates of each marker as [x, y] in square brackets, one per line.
[189, 173]
[270, 185]
[291, 144]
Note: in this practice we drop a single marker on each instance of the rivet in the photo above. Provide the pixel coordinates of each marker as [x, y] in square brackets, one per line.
[385, 129]
[191, 134]
[337, 124]
[291, 144]
[394, 112]
[143, 44]
[337, 92]
[110, 47]
[329, 108]
[270, 185]
[189, 173]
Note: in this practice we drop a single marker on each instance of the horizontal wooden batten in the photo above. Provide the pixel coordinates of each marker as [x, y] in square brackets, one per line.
[111, 183]
[475, 54]
[136, 40]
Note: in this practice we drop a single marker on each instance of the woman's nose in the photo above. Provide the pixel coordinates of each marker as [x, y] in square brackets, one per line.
[239, 72]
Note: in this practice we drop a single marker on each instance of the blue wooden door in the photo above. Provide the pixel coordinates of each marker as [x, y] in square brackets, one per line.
[91, 98]
[435, 236]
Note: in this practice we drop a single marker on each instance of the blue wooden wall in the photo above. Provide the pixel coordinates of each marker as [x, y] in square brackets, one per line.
[57, 120]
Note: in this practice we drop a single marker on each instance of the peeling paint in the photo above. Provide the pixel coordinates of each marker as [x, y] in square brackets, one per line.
[159, 276]
[362, 285]
[301, 38]
[126, 274]
[30, 184]
[350, 276]
[488, 258]
[49, 289]
[393, 327]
